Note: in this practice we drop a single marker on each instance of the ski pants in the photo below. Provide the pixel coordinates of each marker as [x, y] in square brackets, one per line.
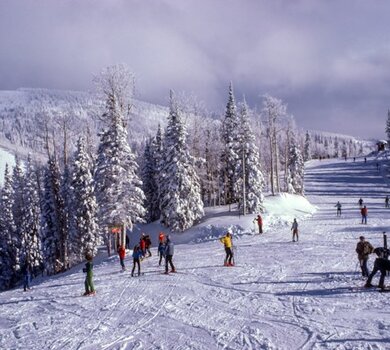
[364, 219]
[136, 262]
[382, 265]
[229, 255]
[26, 282]
[89, 287]
[168, 260]
[122, 261]
[161, 257]
[363, 266]
[339, 212]
[260, 228]
[148, 251]
[295, 233]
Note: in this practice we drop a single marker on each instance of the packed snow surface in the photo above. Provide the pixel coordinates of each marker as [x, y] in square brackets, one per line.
[280, 295]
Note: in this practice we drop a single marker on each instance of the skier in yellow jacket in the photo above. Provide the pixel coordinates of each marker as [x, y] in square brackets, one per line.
[227, 242]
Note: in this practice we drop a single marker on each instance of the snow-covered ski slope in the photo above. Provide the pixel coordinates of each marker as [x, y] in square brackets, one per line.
[280, 295]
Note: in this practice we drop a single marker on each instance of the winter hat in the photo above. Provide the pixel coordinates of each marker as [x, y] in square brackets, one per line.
[362, 238]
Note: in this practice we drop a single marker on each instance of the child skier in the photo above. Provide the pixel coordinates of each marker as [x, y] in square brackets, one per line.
[122, 253]
[228, 244]
[363, 249]
[137, 254]
[294, 229]
[360, 202]
[89, 286]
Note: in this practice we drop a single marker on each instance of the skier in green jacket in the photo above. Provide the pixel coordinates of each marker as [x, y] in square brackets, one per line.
[89, 287]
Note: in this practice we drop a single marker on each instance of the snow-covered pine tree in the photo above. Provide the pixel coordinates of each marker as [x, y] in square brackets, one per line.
[250, 168]
[230, 154]
[30, 224]
[118, 187]
[181, 204]
[18, 206]
[52, 218]
[158, 153]
[307, 147]
[336, 147]
[296, 167]
[85, 233]
[66, 213]
[9, 253]
[388, 126]
[344, 149]
[150, 188]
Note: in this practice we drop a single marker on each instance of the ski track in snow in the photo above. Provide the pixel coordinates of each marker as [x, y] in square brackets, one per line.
[280, 295]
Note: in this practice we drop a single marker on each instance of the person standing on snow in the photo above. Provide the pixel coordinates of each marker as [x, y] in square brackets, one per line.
[387, 202]
[161, 252]
[338, 206]
[228, 244]
[364, 212]
[294, 229]
[169, 250]
[259, 221]
[142, 244]
[360, 202]
[26, 272]
[89, 286]
[363, 250]
[137, 254]
[122, 253]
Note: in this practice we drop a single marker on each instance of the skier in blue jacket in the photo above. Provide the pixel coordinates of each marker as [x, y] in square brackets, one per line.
[137, 255]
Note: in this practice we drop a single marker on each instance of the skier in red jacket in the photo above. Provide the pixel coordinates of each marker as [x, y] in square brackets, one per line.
[259, 220]
[364, 211]
[142, 245]
[122, 254]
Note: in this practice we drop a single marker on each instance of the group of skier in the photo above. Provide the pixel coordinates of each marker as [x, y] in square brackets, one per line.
[363, 208]
[364, 249]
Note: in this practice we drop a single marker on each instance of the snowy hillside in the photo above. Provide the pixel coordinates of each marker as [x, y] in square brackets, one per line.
[25, 113]
[280, 294]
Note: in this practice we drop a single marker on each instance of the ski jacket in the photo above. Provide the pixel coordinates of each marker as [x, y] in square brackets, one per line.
[363, 249]
[122, 252]
[227, 241]
[364, 211]
[169, 248]
[294, 225]
[161, 248]
[338, 205]
[142, 244]
[148, 242]
[259, 220]
[89, 268]
[137, 254]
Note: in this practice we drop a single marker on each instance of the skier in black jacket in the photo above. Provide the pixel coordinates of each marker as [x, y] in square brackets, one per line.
[381, 264]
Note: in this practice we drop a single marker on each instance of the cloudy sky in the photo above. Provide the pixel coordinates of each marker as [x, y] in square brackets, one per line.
[329, 60]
